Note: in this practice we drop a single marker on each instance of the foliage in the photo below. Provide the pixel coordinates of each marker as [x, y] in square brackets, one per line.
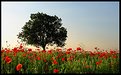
[43, 29]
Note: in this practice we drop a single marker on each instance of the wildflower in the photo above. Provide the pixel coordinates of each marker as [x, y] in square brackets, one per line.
[50, 52]
[8, 51]
[55, 70]
[97, 63]
[43, 51]
[38, 58]
[8, 59]
[78, 48]
[44, 60]
[68, 52]
[29, 49]
[69, 49]
[2, 51]
[18, 67]
[15, 50]
[63, 59]
[55, 62]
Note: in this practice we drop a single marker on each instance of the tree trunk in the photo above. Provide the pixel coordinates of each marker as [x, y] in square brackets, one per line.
[43, 47]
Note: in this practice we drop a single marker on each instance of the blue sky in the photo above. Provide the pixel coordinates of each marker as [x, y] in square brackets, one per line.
[89, 24]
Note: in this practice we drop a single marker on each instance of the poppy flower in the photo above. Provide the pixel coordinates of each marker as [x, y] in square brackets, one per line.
[43, 51]
[8, 59]
[68, 52]
[69, 49]
[55, 70]
[15, 50]
[50, 52]
[44, 60]
[2, 51]
[63, 59]
[78, 48]
[97, 63]
[55, 62]
[29, 49]
[18, 67]
[38, 58]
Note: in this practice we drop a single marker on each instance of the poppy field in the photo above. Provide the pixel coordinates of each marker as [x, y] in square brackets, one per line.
[22, 60]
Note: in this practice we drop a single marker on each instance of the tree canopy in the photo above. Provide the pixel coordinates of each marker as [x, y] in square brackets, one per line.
[43, 29]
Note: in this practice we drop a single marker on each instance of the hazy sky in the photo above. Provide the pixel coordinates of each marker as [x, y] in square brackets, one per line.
[88, 24]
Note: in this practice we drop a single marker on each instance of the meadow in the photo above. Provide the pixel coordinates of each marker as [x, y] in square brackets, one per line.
[22, 60]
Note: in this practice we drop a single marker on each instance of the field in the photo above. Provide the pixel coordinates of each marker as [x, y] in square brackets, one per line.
[27, 61]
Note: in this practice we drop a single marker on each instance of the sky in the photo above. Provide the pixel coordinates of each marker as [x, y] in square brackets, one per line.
[88, 24]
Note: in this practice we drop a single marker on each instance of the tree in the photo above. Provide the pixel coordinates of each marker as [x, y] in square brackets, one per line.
[43, 29]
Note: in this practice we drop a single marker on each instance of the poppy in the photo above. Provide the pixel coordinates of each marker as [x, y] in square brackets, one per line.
[63, 59]
[55, 62]
[18, 67]
[55, 70]
[78, 48]
[29, 49]
[8, 59]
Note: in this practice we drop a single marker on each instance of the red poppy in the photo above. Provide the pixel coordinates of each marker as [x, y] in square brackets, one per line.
[63, 59]
[78, 48]
[44, 60]
[55, 70]
[15, 50]
[97, 63]
[49, 51]
[8, 51]
[8, 59]
[68, 52]
[2, 51]
[43, 51]
[29, 49]
[18, 67]
[69, 49]
[55, 62]
[38, 58]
